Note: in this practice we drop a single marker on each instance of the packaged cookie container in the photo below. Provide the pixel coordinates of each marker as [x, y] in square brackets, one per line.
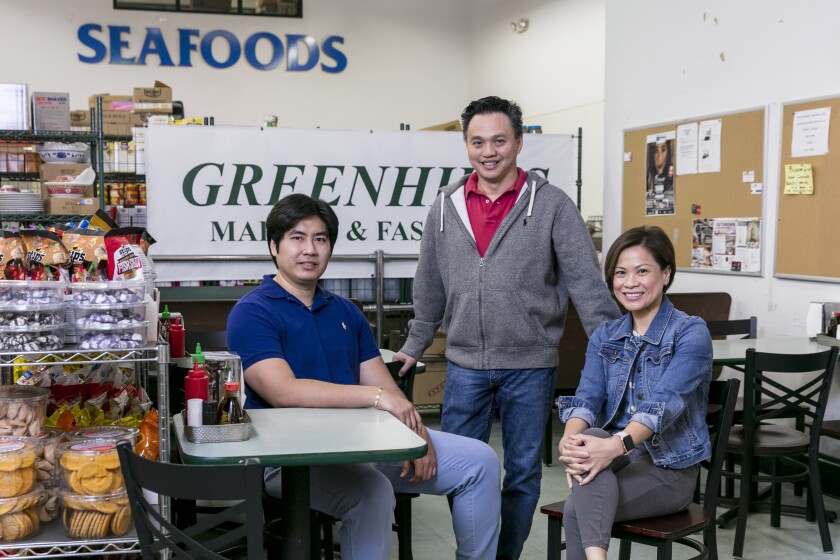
[33, 317]
[21, 293]
[20, 515]
[32, 339]
[102, 338]
[103, 293]
[95, 517]
[112, 433]
[17, 467]
[45, 447]
[90, 467]
[109, 315]
[23, 410]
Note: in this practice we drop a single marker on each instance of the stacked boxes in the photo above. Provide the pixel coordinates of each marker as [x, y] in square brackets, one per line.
[88, 204]
[50, 111]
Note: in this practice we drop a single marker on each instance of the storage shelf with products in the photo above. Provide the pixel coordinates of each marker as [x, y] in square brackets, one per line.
[52, 540]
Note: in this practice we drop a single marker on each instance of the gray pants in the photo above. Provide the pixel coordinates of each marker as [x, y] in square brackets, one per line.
[634, 488]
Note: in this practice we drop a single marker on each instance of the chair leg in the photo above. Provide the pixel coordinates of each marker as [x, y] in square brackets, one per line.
[815, 490]
[743, 504]
[555, 538]
[402, 516]
[775, 496]
[710, 540]
[664, 550]
[624, 549]
[730, 482]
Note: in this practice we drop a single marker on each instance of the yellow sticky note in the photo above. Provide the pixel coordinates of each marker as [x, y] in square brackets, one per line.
[799, 179]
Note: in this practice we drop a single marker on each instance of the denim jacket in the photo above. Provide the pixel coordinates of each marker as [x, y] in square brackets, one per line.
[673, 362]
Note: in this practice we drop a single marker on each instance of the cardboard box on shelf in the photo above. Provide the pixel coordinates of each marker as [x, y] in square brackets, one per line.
[429, 385]
[157, 99]
[80, 119]
[447, 126]
[112, 102]
[50, 170]
[50, 111]
[83, 206]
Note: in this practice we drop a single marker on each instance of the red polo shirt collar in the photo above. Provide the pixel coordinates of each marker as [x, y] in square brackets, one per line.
[485, 216]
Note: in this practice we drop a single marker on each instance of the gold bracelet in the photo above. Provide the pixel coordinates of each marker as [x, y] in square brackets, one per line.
[378, 396]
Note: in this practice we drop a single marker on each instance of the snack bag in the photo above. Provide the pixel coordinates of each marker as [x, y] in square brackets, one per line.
[11, 256]
[101, 220]
[45, 254]
[87, 254]
[148, 445]
[125, 258]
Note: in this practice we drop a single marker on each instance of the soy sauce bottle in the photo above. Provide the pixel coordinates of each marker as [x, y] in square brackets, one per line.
[230, 411]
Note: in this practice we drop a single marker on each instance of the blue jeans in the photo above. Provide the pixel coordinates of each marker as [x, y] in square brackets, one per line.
[524, 399]
[362, 496]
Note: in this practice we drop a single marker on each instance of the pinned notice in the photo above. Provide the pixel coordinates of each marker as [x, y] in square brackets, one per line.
[799, 179]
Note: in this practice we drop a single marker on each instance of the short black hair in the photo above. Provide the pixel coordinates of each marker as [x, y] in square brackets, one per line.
[493, 104]
[288, 213]
[652, 238]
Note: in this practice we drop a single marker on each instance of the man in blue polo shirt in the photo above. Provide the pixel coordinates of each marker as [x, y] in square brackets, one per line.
[302, 346]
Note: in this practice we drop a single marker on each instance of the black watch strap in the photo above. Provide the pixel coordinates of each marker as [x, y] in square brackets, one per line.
[627, 441]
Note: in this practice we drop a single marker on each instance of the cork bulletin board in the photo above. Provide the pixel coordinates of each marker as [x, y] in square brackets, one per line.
[732, 192]
[806, 246]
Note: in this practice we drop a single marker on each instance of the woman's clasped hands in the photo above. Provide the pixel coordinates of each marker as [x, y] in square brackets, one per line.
[584, 456]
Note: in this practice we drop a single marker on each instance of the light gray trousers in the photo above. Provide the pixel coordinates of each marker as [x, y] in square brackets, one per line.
[630, 490]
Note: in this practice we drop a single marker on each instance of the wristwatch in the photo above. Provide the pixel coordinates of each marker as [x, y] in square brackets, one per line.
[627, 441]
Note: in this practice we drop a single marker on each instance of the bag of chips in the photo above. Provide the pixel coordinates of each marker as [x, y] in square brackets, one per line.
[45, 254]
[11, 256]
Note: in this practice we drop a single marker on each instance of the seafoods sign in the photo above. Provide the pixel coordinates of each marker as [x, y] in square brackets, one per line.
[210, 188]
[219, 48]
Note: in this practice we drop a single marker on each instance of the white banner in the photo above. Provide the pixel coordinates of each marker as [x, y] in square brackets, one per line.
[210, 189]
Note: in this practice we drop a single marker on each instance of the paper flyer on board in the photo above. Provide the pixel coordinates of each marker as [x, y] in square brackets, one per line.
[731, 244]
[659, 174]
[709, 138]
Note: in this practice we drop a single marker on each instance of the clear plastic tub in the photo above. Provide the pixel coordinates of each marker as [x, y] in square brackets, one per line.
[20, 293]
[32, 339]
[17, 467]
[20, 515]
[112, 433]
[27, 317]
[90, 467]
[112, 338]
[51, 501]
[108, 316]
[23, 410]
[45, 447]
[101, 293]
[95, 517]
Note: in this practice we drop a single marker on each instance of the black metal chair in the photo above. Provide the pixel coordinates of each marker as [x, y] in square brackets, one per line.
[217, 536]
[767, 399]
[663, 531]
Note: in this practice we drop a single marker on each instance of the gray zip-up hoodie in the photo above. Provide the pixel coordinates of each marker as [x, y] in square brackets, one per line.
[506, 310]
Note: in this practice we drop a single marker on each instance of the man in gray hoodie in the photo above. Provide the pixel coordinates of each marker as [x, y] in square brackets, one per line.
[502, 252]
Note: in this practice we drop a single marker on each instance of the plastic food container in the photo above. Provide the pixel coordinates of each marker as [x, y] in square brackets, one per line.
[90, 467]
[107, 316]
[26, 293]
[95, 517]
[112, 338]
[23, 410]
[112, 433]
[101, 293]
[19, 517]
[34, 318]
[17, 467]
[45, 447]
[32, 339]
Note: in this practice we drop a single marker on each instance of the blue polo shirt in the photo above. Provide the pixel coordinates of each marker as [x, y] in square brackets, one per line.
[326, 343]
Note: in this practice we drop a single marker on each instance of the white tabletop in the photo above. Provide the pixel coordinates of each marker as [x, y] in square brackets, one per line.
[726, 352]
[311, 436]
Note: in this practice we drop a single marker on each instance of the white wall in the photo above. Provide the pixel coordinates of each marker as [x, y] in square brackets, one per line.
[555, 71]
[407, 61]
[663, 63]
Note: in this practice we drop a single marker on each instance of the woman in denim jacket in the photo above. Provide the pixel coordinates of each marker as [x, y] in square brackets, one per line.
[636, 427]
